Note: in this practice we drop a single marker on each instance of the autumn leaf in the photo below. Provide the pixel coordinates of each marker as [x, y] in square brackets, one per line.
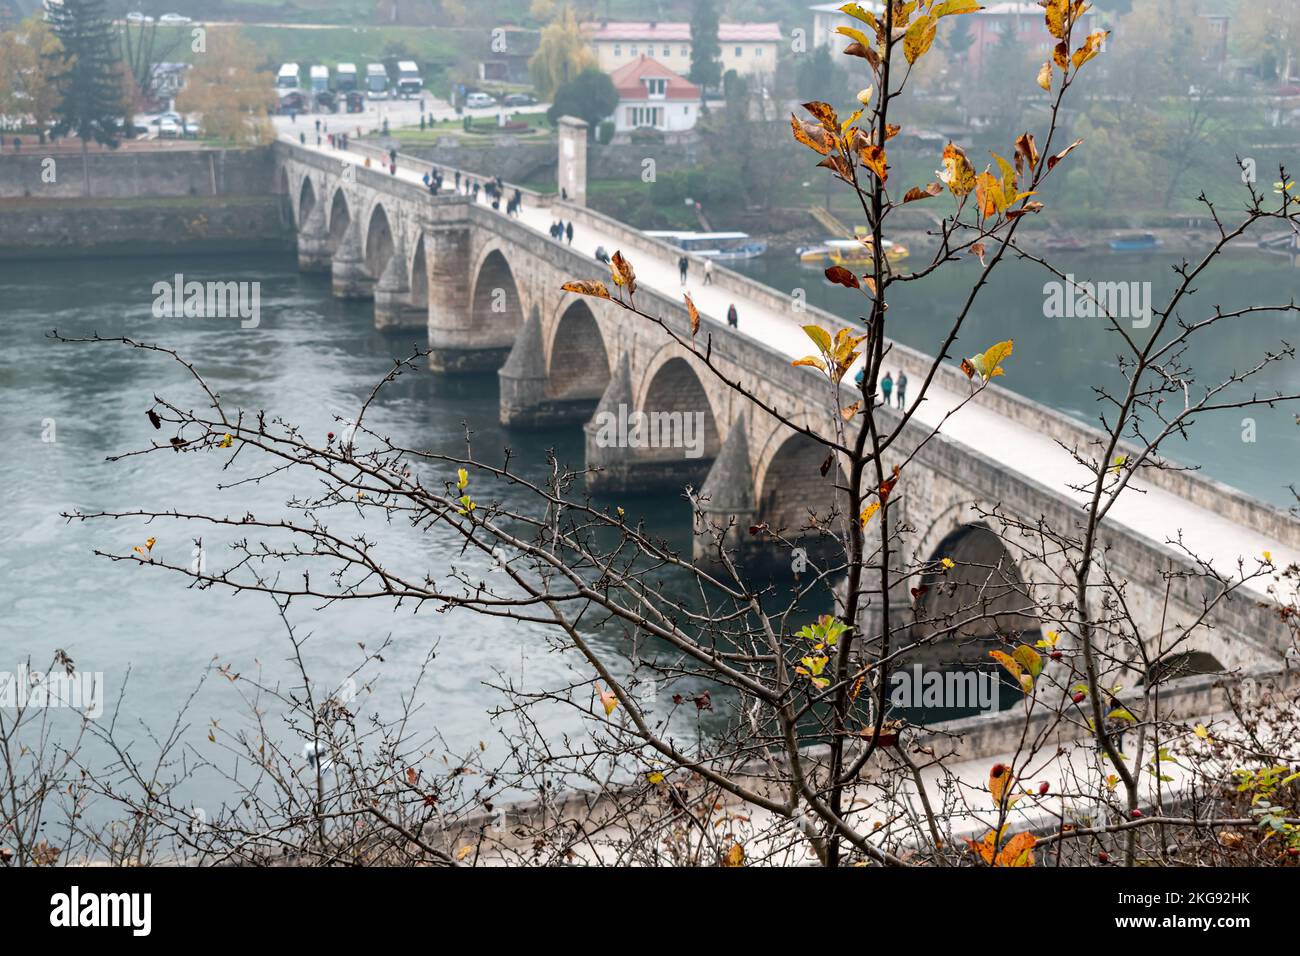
[1018, 851]
[978, 249]
[1013, 668]
[988, 365]
[464, 852]
[988, 195]
[915, 193]
[868, 512]
[623, 273]
[950, 8]
[735, 856]
[1120, 462]
[919, 37]
[811, 361]
[1091, 47]
[587, 287]
[148, 546]
[607, 700]
[887, 486]
[655, 777]
[1053, 160]
[1058, 17]
[811, 135]
[860, 14]
[154, 420]
[226, 441]
[873, 157]
[948, 564]
[824, 114]
[864, 95]
[1029, 659]
[957, 173]
[848, 411]
[1000, 778]
[842, 276]
[1045, 76]
[1026, 152]
[462, 479]
[693, 312]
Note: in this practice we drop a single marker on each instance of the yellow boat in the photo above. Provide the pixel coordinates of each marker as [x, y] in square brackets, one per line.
[849, 253]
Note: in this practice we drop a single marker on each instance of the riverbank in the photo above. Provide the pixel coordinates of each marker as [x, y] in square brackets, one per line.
[44, 228]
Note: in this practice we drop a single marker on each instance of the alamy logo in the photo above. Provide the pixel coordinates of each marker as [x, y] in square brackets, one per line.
[624, 429]
[79, 690]
[208, 300]
[134, 910]
[1086, 300]
[956, 690]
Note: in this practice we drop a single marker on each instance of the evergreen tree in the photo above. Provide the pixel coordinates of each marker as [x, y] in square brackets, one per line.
[706, 68]
[88, 77]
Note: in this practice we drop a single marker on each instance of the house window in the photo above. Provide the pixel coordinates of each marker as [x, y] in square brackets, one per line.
[638, 116]
[632, 49]
[758, 51]
[686, 51]
[657, 87]
[668, 51]
[618, 49]
[739, 51]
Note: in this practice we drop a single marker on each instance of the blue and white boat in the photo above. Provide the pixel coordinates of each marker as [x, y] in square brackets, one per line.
[713, 245]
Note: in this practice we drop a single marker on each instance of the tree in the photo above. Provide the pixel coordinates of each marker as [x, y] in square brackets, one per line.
[809, 760]
[818, 75]
[229, 91]
[1267, 31]
[562, 53]
[141, 49]
[706, 65]
[958, 39]
[589, 96]
[88, 76]
[27, 68]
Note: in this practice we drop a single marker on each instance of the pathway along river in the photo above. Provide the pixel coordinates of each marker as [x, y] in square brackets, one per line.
[313, 356]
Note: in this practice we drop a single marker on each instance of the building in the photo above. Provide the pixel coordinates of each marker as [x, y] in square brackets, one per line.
[987, 27]
[651, 96]
[747, 48]
[510, 49]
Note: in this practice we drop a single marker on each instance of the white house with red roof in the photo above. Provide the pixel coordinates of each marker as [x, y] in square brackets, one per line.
[747, 48]
[651, 96]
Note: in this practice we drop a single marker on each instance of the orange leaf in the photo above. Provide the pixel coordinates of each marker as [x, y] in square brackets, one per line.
[693, 312]
[842, 276]
[587, 287]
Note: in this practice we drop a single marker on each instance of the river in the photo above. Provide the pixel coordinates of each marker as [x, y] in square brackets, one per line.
[313, 356]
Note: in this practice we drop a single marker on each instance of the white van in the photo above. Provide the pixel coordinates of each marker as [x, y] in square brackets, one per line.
[478, 100]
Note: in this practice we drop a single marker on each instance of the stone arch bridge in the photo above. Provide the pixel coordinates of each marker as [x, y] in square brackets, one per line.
[485, 290]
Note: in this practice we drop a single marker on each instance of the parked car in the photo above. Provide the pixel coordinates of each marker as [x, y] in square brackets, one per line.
[293, 100]
[174, 18]
[135, 16]
[191, 129]
[167, 128]
[356, 101]
[479, 100]
[519, 99]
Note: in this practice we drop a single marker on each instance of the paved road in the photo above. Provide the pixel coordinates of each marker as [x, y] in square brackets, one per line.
[1152, 512]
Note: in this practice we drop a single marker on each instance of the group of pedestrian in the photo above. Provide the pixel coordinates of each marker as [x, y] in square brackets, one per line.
[433, 181]
[561, 231]
[684, 266]
[335, 140]
[889, 386]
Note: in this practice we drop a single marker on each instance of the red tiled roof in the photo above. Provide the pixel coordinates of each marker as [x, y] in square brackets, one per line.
[681, 32]
[629, 80]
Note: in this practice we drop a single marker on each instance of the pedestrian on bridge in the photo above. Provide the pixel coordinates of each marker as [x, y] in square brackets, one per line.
[602, 255]
[733, 319]
[708, 271]
[901, 388]
[683, 264]
[318, 124]
[887, 386]
[568, 232]
[458, 180]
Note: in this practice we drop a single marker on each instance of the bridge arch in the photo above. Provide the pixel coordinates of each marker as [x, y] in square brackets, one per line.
[672, 387]
[339, 219]
[579, 365]
[495, 304]
[378, 247]
[792, 489]
[983, 597]
[306, 200]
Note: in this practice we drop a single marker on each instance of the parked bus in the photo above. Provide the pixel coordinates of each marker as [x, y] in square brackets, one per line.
[320, 79]
[289, 77]
[376, 81]
[345, 77]
[408, 78]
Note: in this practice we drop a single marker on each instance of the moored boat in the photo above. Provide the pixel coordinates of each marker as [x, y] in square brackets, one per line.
[1135, 242]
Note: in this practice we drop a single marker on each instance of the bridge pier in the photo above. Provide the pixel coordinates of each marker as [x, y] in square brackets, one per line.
[526, 399]
[393, 296]
[314, 242]
[348, 269]
[727, 503]
[616, 441]
[455, 344]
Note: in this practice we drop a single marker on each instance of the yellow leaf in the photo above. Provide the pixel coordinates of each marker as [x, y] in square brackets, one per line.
[948, 564]
[868, 512]
[1045, 76]
[1018, 851]
[1057, 16]
[821, 338]
[1120, 462]
[1201, 731]
[607, 700]
[860, 14]
[918, 38]
[463, 852]
[950, 8]
[693, 312]
[1091, 47]
[999, 782]
[462, 479]
[988, 364]
[957, 173]
[735, 856]
[226, 442]
[812, 360]
[622, 273]
[656, 777]
[873, 157]
[1268, 556]
[587, 287]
